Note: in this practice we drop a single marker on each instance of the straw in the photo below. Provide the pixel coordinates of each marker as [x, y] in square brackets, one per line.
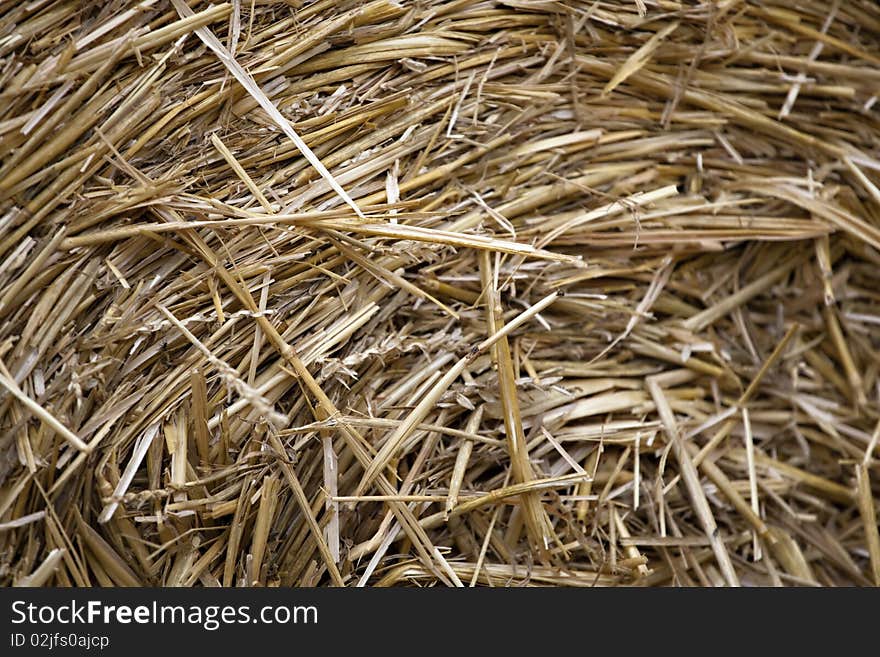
[447, 293]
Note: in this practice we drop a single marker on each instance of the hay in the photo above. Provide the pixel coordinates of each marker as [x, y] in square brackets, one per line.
[495, 293]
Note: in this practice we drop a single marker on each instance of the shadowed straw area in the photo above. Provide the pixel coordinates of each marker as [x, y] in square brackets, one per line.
[501, 293]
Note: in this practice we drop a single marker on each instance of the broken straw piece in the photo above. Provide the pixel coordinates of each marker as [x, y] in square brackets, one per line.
[251, 86]
[44, 415]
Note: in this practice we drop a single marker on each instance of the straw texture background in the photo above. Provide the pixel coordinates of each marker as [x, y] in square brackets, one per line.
[375, 293]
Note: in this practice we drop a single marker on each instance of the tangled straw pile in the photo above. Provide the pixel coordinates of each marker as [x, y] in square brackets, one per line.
[439, 292]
